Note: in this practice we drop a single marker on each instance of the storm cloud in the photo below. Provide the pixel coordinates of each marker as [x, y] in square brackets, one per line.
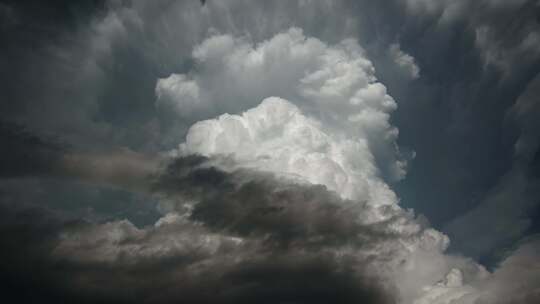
[270, 151]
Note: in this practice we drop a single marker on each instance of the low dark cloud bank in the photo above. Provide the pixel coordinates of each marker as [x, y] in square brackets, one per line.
[291, 238]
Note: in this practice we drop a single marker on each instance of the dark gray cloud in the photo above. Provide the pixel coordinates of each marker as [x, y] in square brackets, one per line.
[476, 58]
[291, 237]
[43, 171]
[247, 203]
[512, 202]
[247, 236]
[27, 154]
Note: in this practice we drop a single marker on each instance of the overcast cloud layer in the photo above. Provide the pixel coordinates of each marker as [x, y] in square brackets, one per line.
[270, 151]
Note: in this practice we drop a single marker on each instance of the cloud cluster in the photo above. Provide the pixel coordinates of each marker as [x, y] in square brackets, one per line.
[293, 202]
[331, 147]
[301, 143]
[239, 236]
[334, 84]
[330, 127]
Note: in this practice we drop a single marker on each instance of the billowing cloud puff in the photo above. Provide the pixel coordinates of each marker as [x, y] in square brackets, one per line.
[276, 137]
[405, 61]
[447, 290]
[516, 280]
[334, 84]
[180, 94]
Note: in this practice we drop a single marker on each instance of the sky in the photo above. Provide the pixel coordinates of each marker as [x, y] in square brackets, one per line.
[239, 151]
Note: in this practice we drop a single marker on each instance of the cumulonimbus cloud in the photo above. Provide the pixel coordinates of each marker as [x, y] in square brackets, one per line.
[289, 202]
[326, 131]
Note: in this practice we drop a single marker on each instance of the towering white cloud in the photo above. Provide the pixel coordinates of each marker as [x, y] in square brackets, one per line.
[275, 136]
[335, 85]
[322, 119]
[329, 125]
